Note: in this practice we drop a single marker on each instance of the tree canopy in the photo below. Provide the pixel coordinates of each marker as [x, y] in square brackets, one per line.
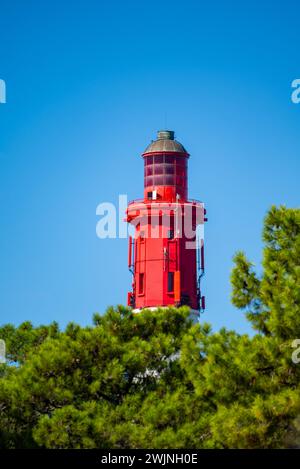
[156, 379]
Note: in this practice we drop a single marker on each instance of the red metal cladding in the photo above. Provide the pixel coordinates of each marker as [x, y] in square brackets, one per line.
[163, 255]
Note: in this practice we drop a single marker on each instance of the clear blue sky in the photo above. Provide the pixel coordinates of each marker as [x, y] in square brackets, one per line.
[88, 85]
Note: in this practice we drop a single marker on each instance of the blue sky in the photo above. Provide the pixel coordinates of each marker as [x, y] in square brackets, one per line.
[88, 85]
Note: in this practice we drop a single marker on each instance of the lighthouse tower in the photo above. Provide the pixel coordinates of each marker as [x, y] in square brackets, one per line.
[165, 255]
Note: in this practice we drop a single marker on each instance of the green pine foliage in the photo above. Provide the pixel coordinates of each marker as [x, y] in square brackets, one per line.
[155, 379]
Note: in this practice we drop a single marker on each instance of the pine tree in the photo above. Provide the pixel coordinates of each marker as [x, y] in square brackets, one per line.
[155, 379]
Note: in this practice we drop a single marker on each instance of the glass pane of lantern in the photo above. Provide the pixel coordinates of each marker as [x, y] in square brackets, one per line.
[149, 160]
[180, 161]
[158, 180]
[149, 181]
[169, 159]
[169, 169]
[149, 170]
[159, 168]
[169, 180]
[159, 159]
[179, 181]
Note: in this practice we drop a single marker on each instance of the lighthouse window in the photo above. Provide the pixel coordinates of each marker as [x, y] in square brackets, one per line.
[169, 159]
[159, 159]
[159, 169]
[149, 160]
[149, 170]
[180, 161]
[149, 181]
[158, 180]
[169, 169]
[170, 180]
[141, 283]
[170, 282]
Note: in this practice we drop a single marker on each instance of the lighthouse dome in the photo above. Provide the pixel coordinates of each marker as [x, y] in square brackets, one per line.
[165, 142]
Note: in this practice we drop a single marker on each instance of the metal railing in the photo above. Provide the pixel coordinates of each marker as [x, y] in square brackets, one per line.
[155, 201]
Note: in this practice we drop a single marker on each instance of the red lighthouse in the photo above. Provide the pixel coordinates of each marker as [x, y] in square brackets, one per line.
[166, 257]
